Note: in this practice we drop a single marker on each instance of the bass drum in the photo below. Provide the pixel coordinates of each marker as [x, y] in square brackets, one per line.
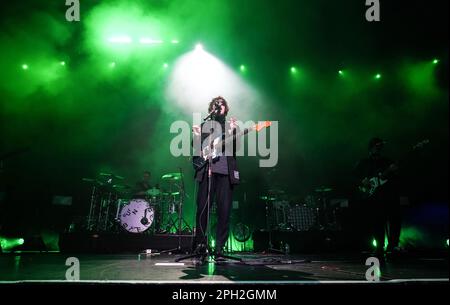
[137, 216]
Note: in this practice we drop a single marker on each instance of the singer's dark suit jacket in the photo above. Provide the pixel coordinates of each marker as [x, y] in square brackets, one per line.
[233, 173]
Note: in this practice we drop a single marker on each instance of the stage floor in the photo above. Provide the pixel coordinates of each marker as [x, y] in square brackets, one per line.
[18, 267]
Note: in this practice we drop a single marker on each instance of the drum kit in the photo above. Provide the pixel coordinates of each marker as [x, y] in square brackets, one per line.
[314, 213]
[115, 206]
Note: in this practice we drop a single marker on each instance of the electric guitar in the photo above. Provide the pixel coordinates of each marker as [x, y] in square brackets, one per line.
[214, 151]
[370, 185]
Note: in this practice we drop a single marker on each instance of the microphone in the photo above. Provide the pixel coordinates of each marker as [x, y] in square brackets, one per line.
[213, 111]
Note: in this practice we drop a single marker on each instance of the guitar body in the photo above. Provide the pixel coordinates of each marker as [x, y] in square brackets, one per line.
[374, 184]
[215, 150]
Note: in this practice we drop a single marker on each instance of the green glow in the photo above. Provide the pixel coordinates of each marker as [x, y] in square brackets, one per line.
[243, 68]
[374, 243]
[435, 61]
[211, 268]
[447, 242]
[112, 65]
[120, 39]
[166, 65]
[213, 243]
[63, 63]
[294, 70]
[341, 73]
[146, 40]
[25, 66]
[377, 76]
[175, 41]
[420, 78]
[10, 243]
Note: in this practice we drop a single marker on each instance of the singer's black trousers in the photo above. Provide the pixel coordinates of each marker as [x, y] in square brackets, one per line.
[222, 194]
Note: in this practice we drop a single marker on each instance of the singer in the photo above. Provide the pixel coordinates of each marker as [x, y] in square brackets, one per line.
[224, 176]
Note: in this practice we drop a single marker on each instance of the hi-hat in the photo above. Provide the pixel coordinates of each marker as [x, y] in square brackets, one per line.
[111, 175]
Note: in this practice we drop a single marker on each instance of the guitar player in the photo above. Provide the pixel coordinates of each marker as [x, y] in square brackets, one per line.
[382, 207]
[225, 176]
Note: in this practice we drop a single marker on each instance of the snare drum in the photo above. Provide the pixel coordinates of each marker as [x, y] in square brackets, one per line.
[137, 216]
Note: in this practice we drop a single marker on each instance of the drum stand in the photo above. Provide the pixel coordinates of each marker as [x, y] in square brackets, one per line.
[91, 209]
[269, 229]
[179, 219]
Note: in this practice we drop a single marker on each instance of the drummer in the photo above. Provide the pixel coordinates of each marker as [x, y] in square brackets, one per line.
[143, 185]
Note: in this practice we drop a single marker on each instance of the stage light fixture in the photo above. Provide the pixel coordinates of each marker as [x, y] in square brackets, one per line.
[435, 61]
[341, 72]
[377, 76]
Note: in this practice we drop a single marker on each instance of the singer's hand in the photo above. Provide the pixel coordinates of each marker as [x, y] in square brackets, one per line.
[196, 130]
[233, 123]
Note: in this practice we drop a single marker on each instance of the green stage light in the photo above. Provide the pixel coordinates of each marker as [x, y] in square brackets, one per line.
[10, 243]
[377, 76]
[243, 68]
[112, 65]
[341, 73]
[145, 40]
[175, 41]
[435, 61]
[294, 70]
[447, 242]
[25, 66]
[166, 65]
[63, 63]
[120, 39]
[374, 243]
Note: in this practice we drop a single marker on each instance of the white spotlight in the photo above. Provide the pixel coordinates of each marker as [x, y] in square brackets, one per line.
[199, 47]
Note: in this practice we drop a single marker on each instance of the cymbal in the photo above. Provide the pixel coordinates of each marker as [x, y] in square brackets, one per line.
[111, 175]
[323, 189]
[174, 176]
[153, 191]
[90, 180]
[171, 194]
[121, 186]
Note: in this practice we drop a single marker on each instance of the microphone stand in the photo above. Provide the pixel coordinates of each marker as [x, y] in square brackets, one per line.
[208, 252]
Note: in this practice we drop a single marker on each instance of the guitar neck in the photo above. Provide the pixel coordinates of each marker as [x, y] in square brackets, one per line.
[229, 139]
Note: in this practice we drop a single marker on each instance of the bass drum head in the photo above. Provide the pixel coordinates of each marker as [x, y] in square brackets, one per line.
[137, 216]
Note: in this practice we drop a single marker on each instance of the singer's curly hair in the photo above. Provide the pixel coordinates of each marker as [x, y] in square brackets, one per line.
[218, 99]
